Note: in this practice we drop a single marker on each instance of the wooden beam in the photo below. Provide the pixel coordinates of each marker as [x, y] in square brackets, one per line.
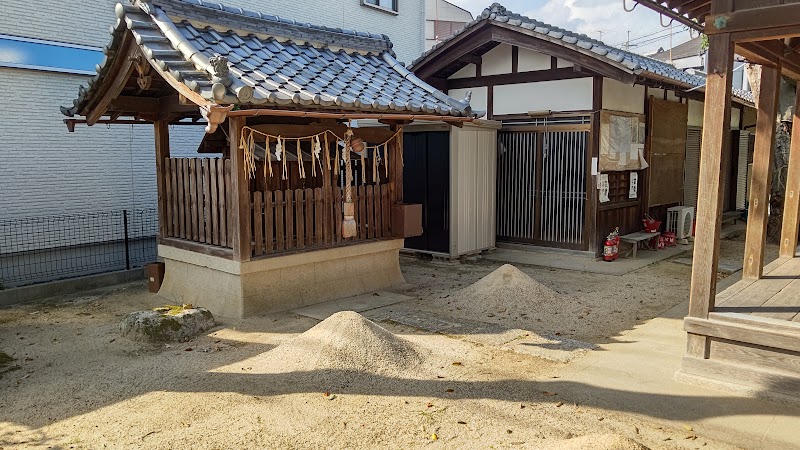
[529, 39]
[161, 129]
[791, 201]
[761, 18]
[470, 59]
[563, 73]
[239, 211]
[114, 81]
[514, 59]
[762, 173]
[716, 136]
[452, 50]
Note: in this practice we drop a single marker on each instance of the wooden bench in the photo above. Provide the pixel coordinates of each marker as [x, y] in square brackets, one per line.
[731, 217]
[638, 238]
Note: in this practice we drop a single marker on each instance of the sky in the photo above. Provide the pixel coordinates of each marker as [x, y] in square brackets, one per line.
[605, 20]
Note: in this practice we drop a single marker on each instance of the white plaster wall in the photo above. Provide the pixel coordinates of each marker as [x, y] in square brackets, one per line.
[497, 60]
[530, 60]
[86, 21]
[559, 95]
[619, 96]
[468, 71]
[563, 63]
[695, 113]
[480, 96]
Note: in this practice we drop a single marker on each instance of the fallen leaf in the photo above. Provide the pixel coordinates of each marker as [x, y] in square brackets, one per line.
[600, 418]
[187, 349]
[521, 406]
[462, 422]
[692, 437]
[637, 429]
[430, 405]
[449, 390]
[668, 439]
[434, 436]
[457, 363]
[326, 394]
[332, 396]
[559, 404]
[549, 394]
[688, 427]
[509, 431]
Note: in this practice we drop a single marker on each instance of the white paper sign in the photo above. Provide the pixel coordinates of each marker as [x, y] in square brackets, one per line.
[604, 188]
[634, 188]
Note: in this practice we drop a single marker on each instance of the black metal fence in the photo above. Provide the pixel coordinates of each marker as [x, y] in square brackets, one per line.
[40, 249]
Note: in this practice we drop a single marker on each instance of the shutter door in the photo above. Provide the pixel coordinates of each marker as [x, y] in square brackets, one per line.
[741, 176]
[691, 168]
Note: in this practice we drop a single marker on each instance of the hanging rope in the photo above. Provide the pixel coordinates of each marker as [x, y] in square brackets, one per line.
[268, 159]
[349, 227]
[300, 168]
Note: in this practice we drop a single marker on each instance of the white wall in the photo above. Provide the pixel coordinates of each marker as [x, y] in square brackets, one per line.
[559, 95]
[497, 61]
[619, 96]
[468, 71]
[44, 170]
[530, 60]
[695, 113]
[480, 96]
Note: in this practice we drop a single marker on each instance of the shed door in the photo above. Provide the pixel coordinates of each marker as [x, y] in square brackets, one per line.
[426, 180]
[541, 187]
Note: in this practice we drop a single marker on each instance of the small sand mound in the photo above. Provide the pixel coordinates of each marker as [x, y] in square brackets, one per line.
[594, 442]
[347, 341]
[506, 290]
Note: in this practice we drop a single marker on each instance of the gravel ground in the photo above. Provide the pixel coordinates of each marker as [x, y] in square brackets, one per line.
[79, 385]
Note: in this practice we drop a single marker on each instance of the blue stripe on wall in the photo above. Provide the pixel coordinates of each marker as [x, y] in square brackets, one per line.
[49, 56]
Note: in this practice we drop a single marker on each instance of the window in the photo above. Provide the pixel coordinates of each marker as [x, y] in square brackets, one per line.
[36, 54]
[388, 5]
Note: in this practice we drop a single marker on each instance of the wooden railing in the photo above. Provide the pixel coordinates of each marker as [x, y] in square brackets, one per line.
[197, 195]
[312, 218]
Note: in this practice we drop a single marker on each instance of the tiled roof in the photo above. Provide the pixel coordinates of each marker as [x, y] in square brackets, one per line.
[631, 62]
[234, 56]
[692, 47]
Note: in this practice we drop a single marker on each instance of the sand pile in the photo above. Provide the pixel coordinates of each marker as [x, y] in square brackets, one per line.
[346, 341]
[506, 291]
[594, 442]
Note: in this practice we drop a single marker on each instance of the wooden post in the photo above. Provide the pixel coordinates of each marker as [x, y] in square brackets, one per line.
[791, 201]
[239, 211]
[396, 172]
[716, 137]
[591, 237]
[767, 103]
[161, 130]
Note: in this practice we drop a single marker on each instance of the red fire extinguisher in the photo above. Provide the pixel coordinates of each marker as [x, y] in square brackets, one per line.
[611, 246]
[609, 253]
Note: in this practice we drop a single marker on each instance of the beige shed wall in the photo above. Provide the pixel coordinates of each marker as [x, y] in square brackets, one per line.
[473, 175]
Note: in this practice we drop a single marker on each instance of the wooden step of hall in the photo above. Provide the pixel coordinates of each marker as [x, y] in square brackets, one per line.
[759, 354]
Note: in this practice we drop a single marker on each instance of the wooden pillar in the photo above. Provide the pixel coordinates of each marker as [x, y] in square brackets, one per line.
[161, 131]
[791, 201]
[396, 160]
[593, 236]
[716, 138]
[239, 211]
[762, 173]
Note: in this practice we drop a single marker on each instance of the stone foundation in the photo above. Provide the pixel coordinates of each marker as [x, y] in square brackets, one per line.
[236, 290]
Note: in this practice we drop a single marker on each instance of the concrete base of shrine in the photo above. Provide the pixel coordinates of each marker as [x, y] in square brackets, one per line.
[236, 290]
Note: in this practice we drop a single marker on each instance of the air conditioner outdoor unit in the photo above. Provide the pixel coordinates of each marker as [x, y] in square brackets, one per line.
[680, 220]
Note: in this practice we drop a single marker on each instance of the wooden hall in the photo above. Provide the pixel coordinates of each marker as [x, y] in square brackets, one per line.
[300, 204]
[748, 336]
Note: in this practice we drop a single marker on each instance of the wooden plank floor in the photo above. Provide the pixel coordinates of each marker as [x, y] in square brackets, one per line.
[775, 296]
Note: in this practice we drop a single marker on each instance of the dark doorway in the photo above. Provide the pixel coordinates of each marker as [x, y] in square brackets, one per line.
[426, 180]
